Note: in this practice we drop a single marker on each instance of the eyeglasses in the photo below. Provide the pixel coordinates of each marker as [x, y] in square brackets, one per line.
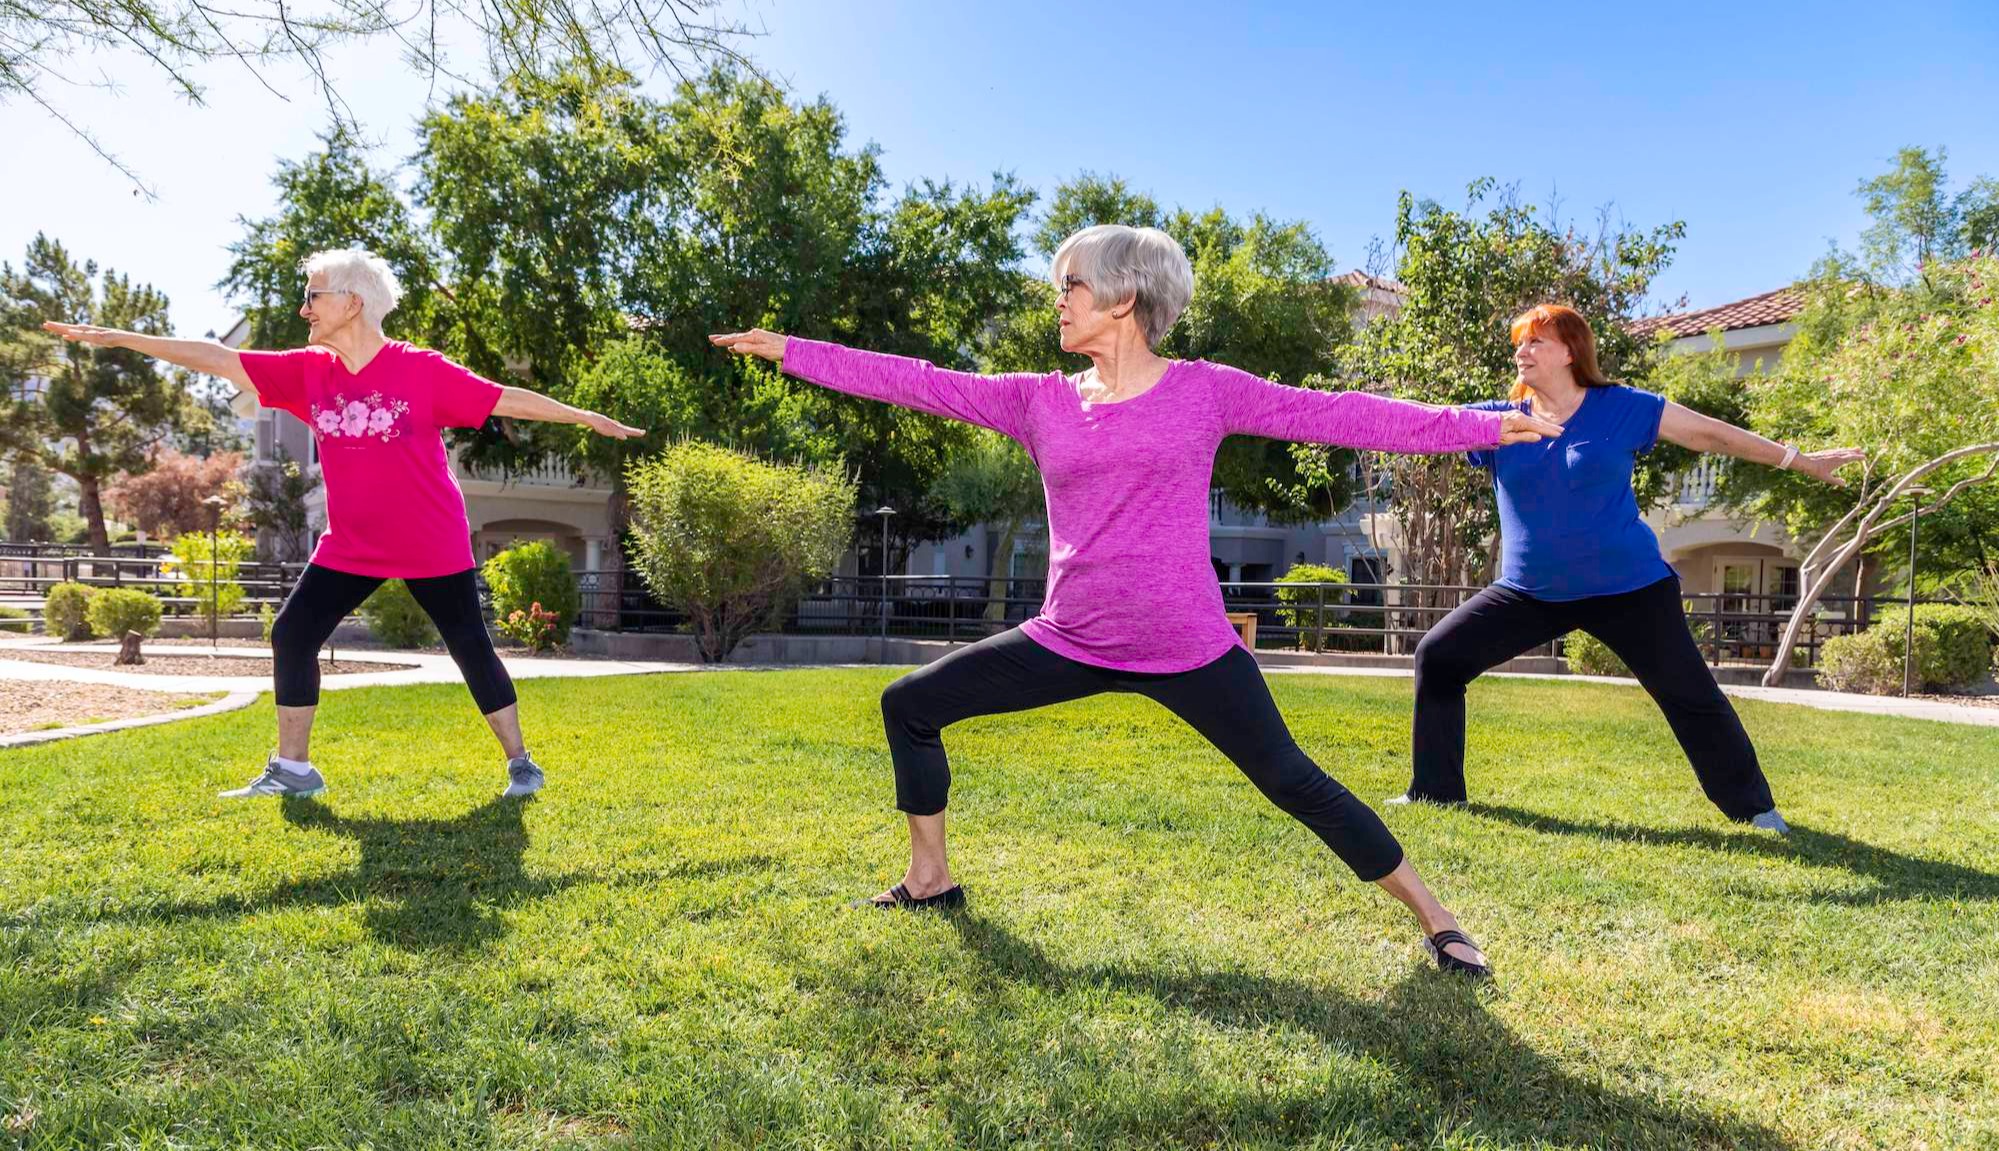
[312, 294]
[1069, 282]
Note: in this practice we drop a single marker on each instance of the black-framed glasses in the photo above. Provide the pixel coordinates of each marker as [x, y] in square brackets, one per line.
[312, 294]
[1069, 282]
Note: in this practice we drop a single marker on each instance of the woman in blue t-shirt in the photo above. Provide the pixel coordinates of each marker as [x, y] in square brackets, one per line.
[1574, 555]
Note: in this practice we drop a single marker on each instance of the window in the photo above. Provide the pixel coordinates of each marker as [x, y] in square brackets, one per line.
[267, 436]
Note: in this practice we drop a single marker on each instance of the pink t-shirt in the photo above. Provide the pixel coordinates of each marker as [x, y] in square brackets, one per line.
[393, 508]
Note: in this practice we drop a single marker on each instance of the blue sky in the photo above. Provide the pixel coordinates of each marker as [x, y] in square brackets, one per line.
[1751, 122]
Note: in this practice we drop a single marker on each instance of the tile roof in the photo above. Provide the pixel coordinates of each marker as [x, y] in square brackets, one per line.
[1769, 308]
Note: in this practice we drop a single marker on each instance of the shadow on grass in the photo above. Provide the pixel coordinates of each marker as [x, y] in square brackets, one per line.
[1471, 1074]
[430, 884]
[1895, 875]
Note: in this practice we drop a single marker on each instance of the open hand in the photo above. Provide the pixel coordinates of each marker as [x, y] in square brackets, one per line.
[1822, 464]
[1521, 428]
[606, 426]
[84, 333]
[755, 342]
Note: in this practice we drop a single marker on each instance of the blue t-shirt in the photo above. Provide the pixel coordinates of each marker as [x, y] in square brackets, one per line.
[1568, 519]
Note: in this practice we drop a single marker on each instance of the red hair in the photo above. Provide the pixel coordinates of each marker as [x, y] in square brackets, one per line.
[1568, 326]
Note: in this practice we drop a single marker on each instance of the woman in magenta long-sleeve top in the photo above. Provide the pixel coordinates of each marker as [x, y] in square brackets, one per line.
[1125, 451]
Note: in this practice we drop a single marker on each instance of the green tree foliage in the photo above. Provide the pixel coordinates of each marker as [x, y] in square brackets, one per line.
[31, 501]
[331, 199]
[1908, 373]
[1466, 273]
[732, 541]
[207, 575]
[992, 481]
[1917, 222]
[273, 506]
[1264, 301]
[89, 413]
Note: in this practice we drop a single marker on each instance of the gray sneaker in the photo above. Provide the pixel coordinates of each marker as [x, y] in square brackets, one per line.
[277, 781]
[523, 777]
[1771, 821]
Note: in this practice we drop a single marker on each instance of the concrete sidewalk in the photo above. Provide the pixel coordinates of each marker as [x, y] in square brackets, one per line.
[430, 668]
[1804, 697]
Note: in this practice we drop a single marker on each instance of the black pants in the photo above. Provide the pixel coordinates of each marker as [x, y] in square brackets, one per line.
[1226, 701]
[324, 597]
[1647, 629]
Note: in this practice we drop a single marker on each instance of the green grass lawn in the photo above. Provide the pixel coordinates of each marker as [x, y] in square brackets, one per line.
[654, 954]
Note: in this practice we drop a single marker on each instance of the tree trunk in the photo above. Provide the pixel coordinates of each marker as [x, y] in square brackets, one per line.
[92, 506]
[128, 649]
[996, 572]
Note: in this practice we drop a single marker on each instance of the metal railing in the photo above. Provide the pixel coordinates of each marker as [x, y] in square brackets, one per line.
[1313, 617]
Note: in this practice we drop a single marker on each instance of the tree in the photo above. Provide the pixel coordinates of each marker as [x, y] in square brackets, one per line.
[330, 199]
[30, 502]
[96, 412]
[1264, 301]
[167, 498]
[1916, 222]
[1466, 273]
[992, 481]
[273, 505]
[39, 39]
[1910, 374]
[732, 541]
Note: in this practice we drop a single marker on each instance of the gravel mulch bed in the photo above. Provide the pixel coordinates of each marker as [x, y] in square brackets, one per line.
[29, 705]
[167, 665]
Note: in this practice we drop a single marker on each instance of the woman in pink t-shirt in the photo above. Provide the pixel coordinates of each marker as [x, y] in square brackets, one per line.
[377, 408]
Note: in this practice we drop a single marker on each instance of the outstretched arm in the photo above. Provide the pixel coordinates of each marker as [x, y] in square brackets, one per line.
[1700, 433]
[522, 404]
[996, 402]
[1257, 407]
[204, 356]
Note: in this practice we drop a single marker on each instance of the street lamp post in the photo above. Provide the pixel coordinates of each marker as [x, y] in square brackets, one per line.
[1909, 634]
[214, 505]
[884, 512]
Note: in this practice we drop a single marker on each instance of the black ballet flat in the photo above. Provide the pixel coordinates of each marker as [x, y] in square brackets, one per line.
[949, 899]
[1447, 962]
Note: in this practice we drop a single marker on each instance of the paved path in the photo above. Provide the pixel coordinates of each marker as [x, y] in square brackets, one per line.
[431, 668]
[1804, 697]
[439, 669]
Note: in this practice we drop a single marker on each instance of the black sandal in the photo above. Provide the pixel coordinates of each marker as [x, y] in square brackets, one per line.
[949, 899]
[1435, 945]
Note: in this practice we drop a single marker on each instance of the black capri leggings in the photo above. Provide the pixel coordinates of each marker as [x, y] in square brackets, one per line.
[324, 597]
[1647, 629]
[1225, 700]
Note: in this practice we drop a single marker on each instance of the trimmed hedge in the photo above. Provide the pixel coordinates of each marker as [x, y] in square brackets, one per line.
[66, 611]
[115, 611]
[1952, 650]
[14, 619]
[395, 619]
[1588, 655]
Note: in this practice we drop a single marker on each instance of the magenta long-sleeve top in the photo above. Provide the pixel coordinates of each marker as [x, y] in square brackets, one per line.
[1130, 584]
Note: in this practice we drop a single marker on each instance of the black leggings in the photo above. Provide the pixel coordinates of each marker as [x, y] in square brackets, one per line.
[324, 597]
[1225, 700]
[1647, 629]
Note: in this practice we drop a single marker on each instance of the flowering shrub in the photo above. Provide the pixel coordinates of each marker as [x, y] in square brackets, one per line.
[534, 629]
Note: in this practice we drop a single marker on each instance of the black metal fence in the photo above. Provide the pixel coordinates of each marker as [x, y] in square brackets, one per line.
[1380, 618]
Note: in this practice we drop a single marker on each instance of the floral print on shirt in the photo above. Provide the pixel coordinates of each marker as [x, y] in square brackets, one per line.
[369, 416]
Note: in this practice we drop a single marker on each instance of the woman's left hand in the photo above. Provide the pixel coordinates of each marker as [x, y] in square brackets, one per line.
[1521, 428]
[606, 426]
[1821, 465]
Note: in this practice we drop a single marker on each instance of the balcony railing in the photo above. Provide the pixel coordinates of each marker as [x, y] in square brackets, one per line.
[545, 474]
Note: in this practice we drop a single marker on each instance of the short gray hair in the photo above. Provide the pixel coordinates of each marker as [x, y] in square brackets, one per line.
[361, 272]
[1119, 263]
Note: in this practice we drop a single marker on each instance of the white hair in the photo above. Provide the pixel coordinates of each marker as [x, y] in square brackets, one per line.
[1119, 263]
[361, 272]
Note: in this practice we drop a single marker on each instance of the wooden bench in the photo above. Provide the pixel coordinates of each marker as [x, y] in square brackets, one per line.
[1245, 626]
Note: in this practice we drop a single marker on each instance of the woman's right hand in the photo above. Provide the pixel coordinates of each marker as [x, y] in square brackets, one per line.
[1521, 428]
[85, 333]
[755, 342]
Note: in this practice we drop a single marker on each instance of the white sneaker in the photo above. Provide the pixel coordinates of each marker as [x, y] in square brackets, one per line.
[524, 777]
[1771, 821]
